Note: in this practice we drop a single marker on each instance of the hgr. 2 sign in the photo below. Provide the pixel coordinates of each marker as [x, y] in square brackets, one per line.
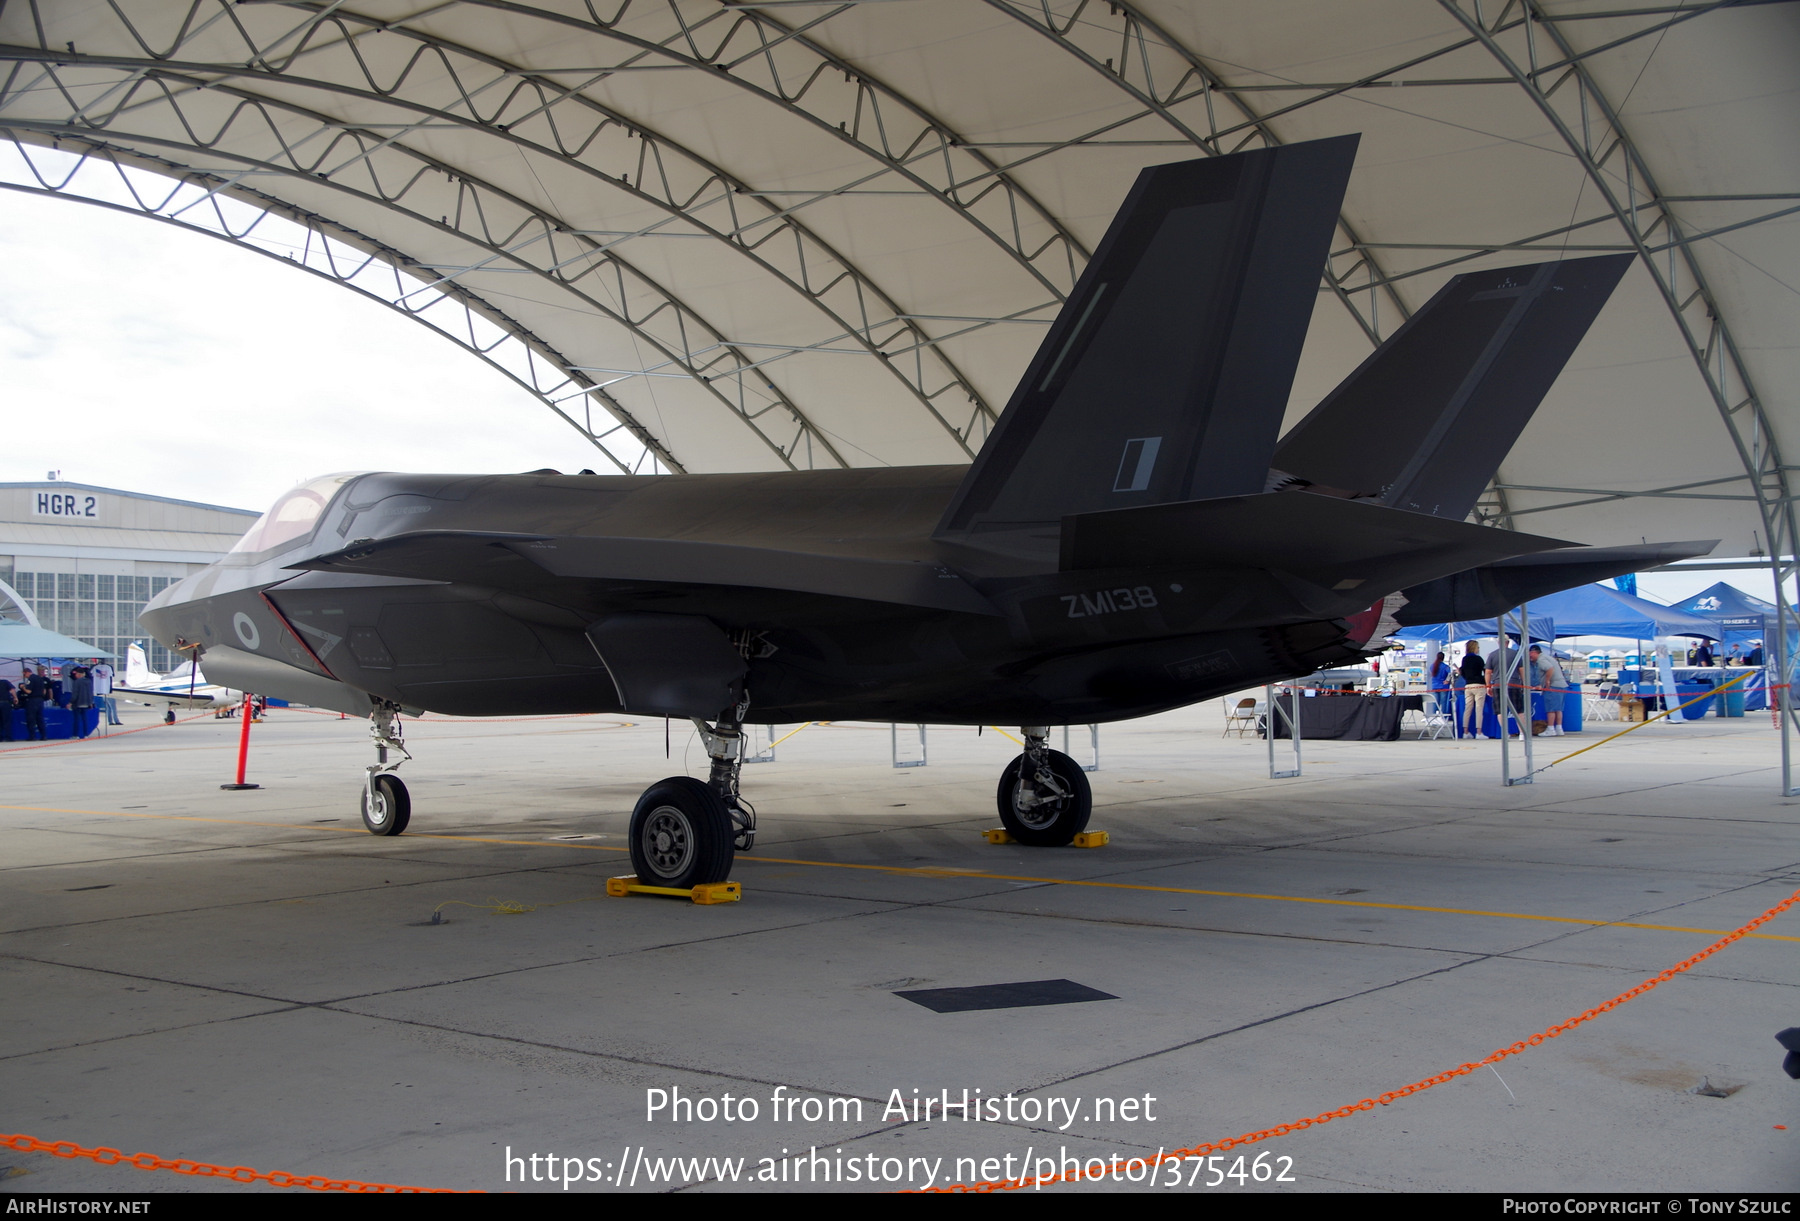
[66, 504]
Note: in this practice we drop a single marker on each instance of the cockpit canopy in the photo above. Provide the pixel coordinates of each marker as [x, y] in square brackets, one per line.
[295, 516]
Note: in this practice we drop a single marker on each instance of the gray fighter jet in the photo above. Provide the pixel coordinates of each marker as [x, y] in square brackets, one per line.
[1133, 537]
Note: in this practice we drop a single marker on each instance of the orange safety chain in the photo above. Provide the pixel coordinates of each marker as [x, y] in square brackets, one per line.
[1369, 1104]
[244, 1174]
[206, 1170]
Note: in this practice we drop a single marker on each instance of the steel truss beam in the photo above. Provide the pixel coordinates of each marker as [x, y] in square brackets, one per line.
[575, 130]
[1591, 130]
[506, 233]
[781, 66]
[647, 165]
[1588, 125]
[199, 202]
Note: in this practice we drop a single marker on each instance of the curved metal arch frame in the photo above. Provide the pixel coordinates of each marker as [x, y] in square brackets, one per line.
[907, 362]
[893, 149]
[1766, 472]
[1639, 216]
[675, 347]
[1124, 22]
[339, 267]
[806, 281]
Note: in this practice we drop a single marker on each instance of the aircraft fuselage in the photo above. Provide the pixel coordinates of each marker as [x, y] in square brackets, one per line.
[474, 595]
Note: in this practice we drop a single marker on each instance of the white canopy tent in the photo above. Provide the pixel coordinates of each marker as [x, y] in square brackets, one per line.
[729, 236]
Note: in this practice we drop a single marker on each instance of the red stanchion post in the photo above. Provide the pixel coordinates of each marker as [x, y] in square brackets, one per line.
[244, 744]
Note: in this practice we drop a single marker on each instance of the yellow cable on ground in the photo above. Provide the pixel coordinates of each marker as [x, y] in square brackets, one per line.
[784, 737]
[1647, 721]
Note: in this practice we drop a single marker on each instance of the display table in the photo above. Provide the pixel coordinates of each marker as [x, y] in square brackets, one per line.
[1344, 718]
[58, 722]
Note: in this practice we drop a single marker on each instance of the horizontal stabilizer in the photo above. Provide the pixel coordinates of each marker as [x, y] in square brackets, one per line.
[1482, 593]
[1165, 376]
[1459, 381]
[1337, 544]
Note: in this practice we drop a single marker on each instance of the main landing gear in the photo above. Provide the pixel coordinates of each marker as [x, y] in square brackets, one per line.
[1044, 796]
[386, 805]
[684, 832]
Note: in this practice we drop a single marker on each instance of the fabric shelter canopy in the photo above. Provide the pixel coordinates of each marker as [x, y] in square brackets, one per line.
[19, 641]
[759, 236]
[1588, 610]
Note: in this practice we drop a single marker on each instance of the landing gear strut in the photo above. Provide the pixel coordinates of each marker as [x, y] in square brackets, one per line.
[684, 832]
[1044, 796]
[386, 805]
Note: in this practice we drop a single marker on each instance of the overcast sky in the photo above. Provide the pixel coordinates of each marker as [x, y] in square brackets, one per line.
[139, 356]
[136, 355]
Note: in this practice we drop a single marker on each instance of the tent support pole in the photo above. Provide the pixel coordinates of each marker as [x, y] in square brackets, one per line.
[1513, 668]
[1783, 694]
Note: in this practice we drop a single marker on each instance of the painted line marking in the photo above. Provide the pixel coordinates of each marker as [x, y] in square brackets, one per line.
[940, 872]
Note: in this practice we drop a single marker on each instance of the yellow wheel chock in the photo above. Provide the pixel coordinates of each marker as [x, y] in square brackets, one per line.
[706, 894]
[1085, 839]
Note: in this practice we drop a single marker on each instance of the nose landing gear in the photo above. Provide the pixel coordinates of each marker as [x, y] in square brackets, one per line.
[386, 805]
[1044, 796]
[685, 832]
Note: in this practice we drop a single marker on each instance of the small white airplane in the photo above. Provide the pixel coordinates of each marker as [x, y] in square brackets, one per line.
[183, 687]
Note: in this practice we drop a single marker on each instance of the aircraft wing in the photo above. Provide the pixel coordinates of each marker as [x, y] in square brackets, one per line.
[1333, 543]
[204, 696]
[537, 564]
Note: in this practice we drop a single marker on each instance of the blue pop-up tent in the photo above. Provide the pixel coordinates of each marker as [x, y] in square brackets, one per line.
[1587, 610]
[1741, 617]
[1542, 628]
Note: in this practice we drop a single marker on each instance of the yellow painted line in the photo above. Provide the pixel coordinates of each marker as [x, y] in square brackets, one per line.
[949, 872]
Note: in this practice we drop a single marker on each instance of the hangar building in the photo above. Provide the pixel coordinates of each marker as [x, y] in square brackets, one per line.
[86, 559]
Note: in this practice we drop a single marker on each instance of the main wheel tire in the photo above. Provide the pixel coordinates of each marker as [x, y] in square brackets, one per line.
[1036, 813]
[681, 834]
[392, 808]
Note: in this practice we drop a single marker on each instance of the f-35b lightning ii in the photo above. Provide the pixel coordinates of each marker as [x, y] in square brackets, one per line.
[1133, 537]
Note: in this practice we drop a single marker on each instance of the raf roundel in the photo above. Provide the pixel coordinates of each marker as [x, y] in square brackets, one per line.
[246, 631]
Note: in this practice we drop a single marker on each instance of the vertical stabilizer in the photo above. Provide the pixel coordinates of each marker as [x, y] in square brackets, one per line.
[1165, 376]
[1426, 420]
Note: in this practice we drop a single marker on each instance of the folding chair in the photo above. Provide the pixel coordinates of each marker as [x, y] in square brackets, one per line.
[1242, 717]
[1437, 717]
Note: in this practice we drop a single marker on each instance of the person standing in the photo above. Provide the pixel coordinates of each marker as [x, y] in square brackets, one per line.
[1547, 674]
[103, 696]
[81, 699]
[34, 691]
[1474, 676]
[8, 703]
[1703, 655]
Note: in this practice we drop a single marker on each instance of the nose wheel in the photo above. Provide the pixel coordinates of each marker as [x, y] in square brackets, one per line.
[386, 806]
[1044, 795]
